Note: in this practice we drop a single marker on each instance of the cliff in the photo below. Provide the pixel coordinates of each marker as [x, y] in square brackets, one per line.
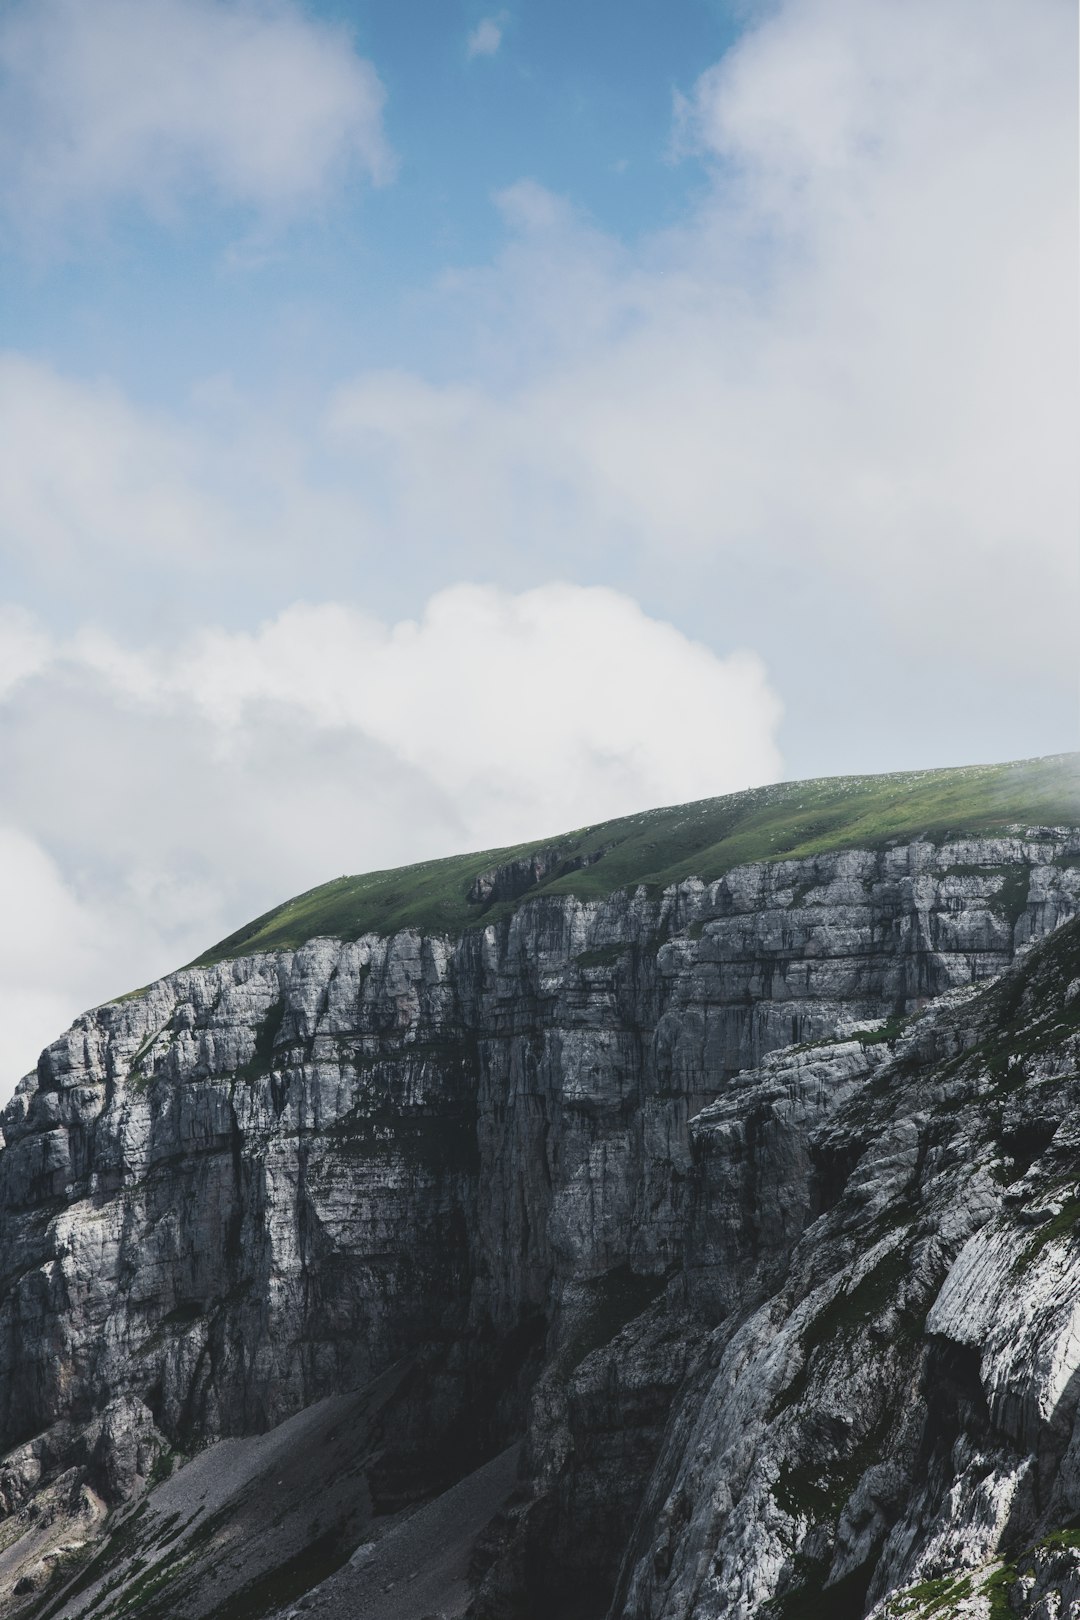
[884, 1418]
[640, 1175]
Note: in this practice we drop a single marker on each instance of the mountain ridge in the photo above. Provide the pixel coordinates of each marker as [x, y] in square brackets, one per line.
[704, 838]
[555, 1181]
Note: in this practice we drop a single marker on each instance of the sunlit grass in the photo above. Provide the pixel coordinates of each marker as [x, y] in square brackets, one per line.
[704, 839]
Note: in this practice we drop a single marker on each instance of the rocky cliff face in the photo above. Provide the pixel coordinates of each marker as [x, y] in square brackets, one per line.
[262, 1183]
[887, 1414]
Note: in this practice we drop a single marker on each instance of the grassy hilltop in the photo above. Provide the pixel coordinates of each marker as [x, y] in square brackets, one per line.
[704, 839]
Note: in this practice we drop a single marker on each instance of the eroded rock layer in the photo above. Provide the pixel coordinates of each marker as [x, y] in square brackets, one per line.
[261, 1183]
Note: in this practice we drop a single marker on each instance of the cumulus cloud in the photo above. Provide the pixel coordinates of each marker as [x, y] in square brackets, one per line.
[857, 357]
[486, 37]
[146, 100]
[153, 800]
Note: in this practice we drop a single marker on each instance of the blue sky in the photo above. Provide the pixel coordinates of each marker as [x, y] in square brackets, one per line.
[428, 426]
[576, 98]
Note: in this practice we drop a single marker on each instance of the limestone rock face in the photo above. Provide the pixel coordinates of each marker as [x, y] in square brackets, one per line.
[892, 1405]
[257, 1184]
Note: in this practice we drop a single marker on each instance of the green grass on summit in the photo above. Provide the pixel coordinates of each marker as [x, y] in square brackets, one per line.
[704, 839]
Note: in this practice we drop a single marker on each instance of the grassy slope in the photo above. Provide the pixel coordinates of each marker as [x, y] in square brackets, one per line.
[704, 839]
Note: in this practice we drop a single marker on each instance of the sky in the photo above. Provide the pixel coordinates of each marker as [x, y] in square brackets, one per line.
[425, 427]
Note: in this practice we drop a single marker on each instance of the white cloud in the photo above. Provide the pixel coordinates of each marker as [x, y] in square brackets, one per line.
[486, 37]
[146, 100]
[857, 358]
[853, 361]
[46, 953]
[107, 508]
[154, 800]
[86, 478]
[24, 647]
[853, 366]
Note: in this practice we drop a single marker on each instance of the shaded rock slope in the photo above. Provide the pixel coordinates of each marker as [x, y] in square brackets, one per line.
[748, 1203]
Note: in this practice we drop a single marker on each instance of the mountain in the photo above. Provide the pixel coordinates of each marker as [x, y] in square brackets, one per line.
[672, 1219]
[658, 848]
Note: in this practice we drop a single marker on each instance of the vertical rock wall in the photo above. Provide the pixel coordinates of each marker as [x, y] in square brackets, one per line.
[260, 1182]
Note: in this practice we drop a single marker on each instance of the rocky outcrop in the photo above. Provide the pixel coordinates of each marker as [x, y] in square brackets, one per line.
[266, 1181]
[900, 1411]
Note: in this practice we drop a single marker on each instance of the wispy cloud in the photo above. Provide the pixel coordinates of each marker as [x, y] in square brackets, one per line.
[152, 101]
[487, 36]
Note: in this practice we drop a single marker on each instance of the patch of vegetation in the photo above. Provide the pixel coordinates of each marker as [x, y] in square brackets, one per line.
[1010, 1072]
[146, 1586]
[266, 1033]
[887, 1034]
[997, 1589]
[121, 1543]
[62, 1572]
[164, 1463]
[137, 1078]
[935, 1598]
[606, 956]
[706, 839]
[1006, 1171]
[845, 1315]
[1026, 1013]
[938, 1599]
[1066, 1224]
[297, 1575]
[816, 1494]
[1067, 1540]
[128, 995]
[1010, 901]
